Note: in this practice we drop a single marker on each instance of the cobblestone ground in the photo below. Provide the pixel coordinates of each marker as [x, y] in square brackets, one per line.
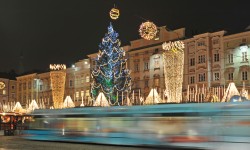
[17, 143]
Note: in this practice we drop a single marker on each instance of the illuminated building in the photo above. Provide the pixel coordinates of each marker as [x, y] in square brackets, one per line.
[7, 90]
[237, 60]
[146, 63]
[216, 59]
[202, 60]
[38, 85]
[210, 60]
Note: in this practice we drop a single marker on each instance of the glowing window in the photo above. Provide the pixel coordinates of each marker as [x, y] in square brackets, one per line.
[87, 78]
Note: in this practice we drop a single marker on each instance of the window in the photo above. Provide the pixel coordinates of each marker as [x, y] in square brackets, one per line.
[244, 40]
[244, 56]
[201, 43]
[230, 58]
[156, 82]
[82, 79]
[192, 61]
[202, 77]
[216, 76]
[216, 57]
[146, 66]
[70, 83]
[231, 76]
[4, 92]
[12, 95]
[24, 86]
[77, 95]
[201, 59]
[157, 62]
[12, 87]
[87, 78]
[244, 75]
[216, 41]
[87, 93]
[41, 87]
[137, 69]
[146, 83]
[20, 86]
[192, 80]
[29, 85]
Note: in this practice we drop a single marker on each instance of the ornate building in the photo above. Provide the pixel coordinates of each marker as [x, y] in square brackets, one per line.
[210, 60]
[203, 60]
[7, 90]
[146, 62]
[38, 86]
[237, 60]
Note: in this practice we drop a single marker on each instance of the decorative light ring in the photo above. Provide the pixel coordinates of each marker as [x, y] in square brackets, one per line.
[173, 46]
[57, 66]
[148, 30]
[114, 13]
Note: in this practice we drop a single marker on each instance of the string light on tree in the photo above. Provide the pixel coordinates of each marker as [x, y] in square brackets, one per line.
[111, 76]
[114, 13]
[148, 30]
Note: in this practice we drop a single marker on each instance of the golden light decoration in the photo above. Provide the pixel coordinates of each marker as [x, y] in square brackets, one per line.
[114, 13]
[57, 66]
[173, 46]
[148, 30]
[58, 87]
[173, 60]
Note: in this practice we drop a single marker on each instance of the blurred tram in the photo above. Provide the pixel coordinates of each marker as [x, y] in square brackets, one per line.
[192, 125]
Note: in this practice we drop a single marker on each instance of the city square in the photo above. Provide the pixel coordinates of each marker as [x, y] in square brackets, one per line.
[170, 86]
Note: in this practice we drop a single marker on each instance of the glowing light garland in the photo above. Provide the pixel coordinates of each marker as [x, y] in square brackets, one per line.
[173, 57]
[57, 66]
[114, 13]
[148, 30]
[173, 46]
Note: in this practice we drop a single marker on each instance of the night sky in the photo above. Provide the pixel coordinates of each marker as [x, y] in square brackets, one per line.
[65, 31]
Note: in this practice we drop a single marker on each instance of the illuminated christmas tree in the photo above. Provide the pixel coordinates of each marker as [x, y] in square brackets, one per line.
[110, 74]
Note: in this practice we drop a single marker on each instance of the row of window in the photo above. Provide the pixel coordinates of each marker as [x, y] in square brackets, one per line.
[202, 43]
[156, 83]
[146, 65]
[71, 82]
[216, 77]
[230, 58]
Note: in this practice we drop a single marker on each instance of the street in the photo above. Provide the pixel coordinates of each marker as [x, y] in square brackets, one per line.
[17, 143]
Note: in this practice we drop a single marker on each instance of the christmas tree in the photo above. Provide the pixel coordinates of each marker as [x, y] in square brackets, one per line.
[110, 74]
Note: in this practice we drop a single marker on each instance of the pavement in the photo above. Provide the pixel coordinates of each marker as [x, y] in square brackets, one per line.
[18, 143]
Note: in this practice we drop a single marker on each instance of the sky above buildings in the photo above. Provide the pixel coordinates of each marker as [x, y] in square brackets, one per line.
[41, 32]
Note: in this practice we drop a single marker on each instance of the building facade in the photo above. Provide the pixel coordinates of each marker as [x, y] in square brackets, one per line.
[7, 90]
[38, 86]
[210, 60]
[203, 60]
[145, 62]
[237, 60]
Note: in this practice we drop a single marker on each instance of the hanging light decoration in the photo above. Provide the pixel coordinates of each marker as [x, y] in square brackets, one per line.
[148, 30]
[57, 66]
[173, 61]
[173, 46]
[114, 13]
